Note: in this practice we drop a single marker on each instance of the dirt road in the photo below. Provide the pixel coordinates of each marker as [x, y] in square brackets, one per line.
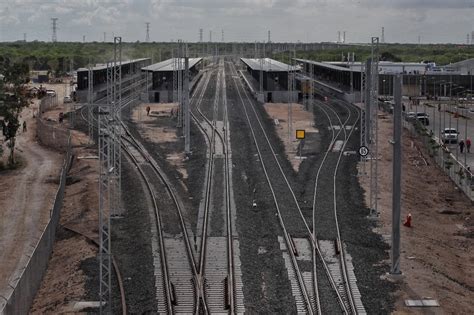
[26, 197]
[436, 252]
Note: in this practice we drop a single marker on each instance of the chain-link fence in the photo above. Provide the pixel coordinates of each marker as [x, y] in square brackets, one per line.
[49, 133]
[24, 288]
[48, 102]
[461, 175]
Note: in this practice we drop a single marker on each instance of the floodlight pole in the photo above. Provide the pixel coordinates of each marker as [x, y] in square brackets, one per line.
[397, 174]
[187, 129]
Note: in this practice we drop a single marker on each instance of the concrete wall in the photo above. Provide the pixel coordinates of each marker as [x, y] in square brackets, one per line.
[23, 291]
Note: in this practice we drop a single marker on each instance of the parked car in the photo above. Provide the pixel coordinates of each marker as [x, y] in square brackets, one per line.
[67, 99]
[450, 135]
[50, 93]
[410, 115]
[423, 118]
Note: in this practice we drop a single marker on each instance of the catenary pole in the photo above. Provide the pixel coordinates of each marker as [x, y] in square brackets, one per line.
[397, 174]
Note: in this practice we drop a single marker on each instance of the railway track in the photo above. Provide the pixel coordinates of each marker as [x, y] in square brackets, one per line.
[178, 283]
[305, 291]
[176, 275]
[217, 264]
[324, 212]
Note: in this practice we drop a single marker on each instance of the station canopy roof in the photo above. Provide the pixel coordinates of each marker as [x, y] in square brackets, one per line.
[171, 65]
[327, 65]
[268, 65]
[103, 66]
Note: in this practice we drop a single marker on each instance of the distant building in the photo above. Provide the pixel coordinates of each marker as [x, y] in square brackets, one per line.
[419, 79]
[131, 73]
[274, 77]
[464, 67]
[160, 85]
[40, 76]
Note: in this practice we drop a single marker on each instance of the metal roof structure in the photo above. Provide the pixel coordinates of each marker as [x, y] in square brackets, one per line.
[167, 65]
[327, 65]
[268, 65]
[104, 66]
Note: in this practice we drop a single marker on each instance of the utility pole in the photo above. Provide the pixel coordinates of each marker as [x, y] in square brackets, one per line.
[110, 172]
[374, 78]
[351, 61]
[83, 39]
[222, 39]
[383, 35]
[269, 37]
[200, 35]
[54, 37]
[187, 129]
[344, 37]
[24, 37]
[338, 37]
[147, 38]
[397, 174]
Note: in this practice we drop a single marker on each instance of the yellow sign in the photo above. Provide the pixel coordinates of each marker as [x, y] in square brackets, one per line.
[300, 134]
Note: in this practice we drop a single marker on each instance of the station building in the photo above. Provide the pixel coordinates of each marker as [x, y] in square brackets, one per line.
[419, 79]
[131, 73]
[160, 77]
[270, 75]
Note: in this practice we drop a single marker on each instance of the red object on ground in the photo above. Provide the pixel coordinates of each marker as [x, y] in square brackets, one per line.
[407, 222]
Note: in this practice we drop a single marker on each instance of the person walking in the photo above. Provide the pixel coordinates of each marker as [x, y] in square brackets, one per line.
[148, 110]
[468, 145]
[461, 146]
[24, 126]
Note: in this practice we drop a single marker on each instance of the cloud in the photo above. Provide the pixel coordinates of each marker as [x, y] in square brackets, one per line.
[312, 20]
[417, 4]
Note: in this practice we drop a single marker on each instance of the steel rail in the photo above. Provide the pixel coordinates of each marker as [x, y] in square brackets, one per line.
[342, 256]
[159, 225]
[298, 273]
[349, 294]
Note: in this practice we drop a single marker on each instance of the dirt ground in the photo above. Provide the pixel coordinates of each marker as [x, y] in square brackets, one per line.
[157, 134]
[436, 252]
[26, 198]
[64, 281]
[302, 119]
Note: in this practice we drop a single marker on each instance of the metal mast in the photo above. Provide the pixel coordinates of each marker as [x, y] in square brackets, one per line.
[175, 77]
[311, 84]
[261, 73]
[373, 131]
[147, 39]
[117, 103]
[187, 129]
[397, 174]
[363, 117]
[109, 173]
[290, 98]
[54, 37]
[180, 86]
[90, 85]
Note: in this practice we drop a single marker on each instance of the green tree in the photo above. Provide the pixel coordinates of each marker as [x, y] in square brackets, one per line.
[388, 56]
[13, 99]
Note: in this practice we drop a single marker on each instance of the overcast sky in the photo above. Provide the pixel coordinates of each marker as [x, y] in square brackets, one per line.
[436, 21]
